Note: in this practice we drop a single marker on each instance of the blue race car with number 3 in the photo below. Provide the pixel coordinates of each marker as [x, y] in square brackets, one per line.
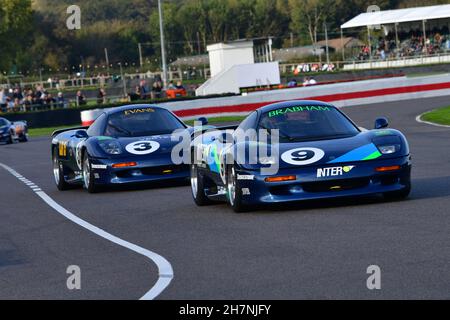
[130, 144]
[322, 154]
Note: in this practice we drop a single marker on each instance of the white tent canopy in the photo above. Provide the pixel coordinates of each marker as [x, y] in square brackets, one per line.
[398, 16]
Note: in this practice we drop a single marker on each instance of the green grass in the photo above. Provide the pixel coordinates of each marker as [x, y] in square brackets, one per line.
[43, 132]
[219, 120]
[425, 74]
[439, 116]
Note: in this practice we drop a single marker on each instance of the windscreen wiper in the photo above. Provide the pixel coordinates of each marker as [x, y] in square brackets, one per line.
[121, 129]
[282, 134]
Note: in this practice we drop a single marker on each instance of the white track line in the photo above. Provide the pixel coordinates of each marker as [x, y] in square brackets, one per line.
[419, 119]
[164, 268]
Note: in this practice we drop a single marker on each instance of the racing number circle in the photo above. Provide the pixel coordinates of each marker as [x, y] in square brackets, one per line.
[142, 147]
[303, 156]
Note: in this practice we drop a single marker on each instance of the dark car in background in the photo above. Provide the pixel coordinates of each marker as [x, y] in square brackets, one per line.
[13, 131]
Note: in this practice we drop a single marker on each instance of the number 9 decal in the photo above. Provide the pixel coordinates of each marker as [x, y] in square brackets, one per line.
[303, 156]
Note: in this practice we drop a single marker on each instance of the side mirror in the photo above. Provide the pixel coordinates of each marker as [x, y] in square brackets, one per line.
[223, 137]
[203, 121]
[227, 137]
[81, 134]
[381, 123]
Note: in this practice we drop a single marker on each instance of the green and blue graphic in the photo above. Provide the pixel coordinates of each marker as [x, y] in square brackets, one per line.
[364, 153]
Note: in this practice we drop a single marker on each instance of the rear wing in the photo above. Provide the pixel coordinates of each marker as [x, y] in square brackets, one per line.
[203, 129]
[19, 122]
[69, 129]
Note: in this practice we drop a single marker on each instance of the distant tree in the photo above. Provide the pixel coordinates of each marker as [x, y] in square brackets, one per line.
[33, 32]
[269, 18]
[310, 14]
[187, 20]
[15, 22]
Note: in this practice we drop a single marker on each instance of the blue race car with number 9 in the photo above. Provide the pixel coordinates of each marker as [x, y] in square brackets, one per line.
[322, 154]
[125, 145]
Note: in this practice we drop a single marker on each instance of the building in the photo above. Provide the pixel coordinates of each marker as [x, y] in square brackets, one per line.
[233, 67]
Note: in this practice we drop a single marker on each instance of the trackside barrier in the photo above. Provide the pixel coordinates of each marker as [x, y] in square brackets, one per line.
[340, 94]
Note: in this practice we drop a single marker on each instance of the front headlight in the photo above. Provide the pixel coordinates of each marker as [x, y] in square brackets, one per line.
[389, 149]
[111, 147]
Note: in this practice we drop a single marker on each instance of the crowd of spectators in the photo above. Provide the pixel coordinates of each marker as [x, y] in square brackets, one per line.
[27, 99]
[144, 91]
[314, 67]
[412, 44]
[18, 99]
[307, 82]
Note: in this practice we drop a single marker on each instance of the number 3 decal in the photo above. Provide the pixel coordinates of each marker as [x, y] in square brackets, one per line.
[142, 147]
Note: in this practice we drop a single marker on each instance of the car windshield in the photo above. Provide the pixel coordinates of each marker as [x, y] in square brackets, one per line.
[3, 122]
[141, 122]
[308, 123]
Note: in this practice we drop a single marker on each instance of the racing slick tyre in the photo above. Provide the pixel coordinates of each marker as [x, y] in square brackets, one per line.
[88, 175]
[398, 195]
[10, 139]
[58, 173]
[23, 138]
[234, 191]
[198, 187]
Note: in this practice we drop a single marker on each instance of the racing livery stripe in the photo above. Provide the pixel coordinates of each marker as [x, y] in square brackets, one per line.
[373, 156]
[214, 159]
[367, 152]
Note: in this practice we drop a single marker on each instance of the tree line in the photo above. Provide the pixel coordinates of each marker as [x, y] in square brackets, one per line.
[33, 33]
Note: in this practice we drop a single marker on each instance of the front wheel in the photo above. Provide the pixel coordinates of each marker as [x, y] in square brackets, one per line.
[198, 187]
[10, 139]
[88, 175]
[235, 191]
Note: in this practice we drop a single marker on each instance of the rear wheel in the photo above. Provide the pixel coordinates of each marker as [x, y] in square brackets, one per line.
[235, 191]
[398, 195]
[58, 173]
[88, 175]
[198, 187]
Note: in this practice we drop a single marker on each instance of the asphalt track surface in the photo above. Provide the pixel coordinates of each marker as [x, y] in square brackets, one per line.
[318, 250]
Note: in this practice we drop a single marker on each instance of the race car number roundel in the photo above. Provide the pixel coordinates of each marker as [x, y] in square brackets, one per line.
[303, 156]
[142, 147]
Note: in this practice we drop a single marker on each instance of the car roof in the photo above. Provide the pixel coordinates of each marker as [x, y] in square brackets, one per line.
[294, 103]
[131, 107]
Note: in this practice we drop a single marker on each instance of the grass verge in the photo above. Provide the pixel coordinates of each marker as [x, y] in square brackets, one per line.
[439, 116]
[44, 132]
[219, 120]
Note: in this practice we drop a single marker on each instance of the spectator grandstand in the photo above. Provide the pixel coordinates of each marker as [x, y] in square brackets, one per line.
[403, 34]
[411, 44]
